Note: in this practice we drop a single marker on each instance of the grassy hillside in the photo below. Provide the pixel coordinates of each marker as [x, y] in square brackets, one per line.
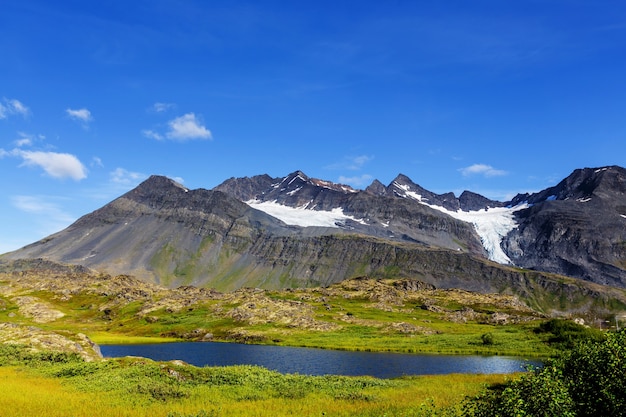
[359, 314]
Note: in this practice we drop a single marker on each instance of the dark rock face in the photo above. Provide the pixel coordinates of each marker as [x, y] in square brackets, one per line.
[376, 188]
[247, 188]
[576, 228]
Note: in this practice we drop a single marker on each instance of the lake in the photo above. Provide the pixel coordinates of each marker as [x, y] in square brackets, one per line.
[308, 361]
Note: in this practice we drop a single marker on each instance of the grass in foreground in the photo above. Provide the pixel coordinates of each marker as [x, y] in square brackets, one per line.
[62, 385]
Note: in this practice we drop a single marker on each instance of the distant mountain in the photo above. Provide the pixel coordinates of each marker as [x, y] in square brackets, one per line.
[301, 231]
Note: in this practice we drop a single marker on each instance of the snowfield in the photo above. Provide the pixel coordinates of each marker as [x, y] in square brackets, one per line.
[492, 224]
[301, 216]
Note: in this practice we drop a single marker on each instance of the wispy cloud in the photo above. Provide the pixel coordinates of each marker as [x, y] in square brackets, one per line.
[357, 181]
[187, 127]
[96, 162]
[49, 214]
[482, 169]
[162, 107]
[39, 205]
[56, 165]
[123, 177]
[10, 107]
[151, 134]
[80, 115]
[352, 163]
[24, 140]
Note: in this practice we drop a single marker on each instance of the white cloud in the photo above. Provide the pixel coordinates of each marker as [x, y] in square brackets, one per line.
[162, 107]
[358, 181]
[12, 107]
[124, 177]
[81, 115]
[151, 134]
[57, 165]
[187, 127]
[482, 169]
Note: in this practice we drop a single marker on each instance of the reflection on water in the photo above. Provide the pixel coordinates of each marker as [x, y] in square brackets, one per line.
[308, 361]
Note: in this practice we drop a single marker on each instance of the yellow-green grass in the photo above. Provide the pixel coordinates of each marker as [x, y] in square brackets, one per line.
[27, 393]
[108, 338]
[361, 325]
[507, 341]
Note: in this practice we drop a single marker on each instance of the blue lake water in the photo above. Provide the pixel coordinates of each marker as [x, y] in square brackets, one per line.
[307, 361]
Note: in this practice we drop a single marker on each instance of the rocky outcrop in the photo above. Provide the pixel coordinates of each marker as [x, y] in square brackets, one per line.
[42, 340]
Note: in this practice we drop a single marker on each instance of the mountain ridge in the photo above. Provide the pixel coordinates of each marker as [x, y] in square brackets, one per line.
[301, 231]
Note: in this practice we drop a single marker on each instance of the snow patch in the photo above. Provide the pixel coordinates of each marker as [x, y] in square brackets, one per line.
[294, 191]
[623, 215]
[408, 193]
[583, 200]
[302, 216]
[551, 198]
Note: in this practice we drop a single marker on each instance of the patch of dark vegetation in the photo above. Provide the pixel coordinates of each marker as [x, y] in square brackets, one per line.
[566, 333]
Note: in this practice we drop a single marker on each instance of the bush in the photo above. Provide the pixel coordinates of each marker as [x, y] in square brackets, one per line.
[589, 380]
[596, 376]
[487, 339]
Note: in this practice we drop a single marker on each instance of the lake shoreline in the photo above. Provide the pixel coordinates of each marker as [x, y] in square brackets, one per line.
[314, 361]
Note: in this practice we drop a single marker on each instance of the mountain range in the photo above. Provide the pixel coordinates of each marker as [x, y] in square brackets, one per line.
[298, 231]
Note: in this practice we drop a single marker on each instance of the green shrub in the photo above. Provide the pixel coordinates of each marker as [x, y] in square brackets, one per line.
[589, 380]
[487, 339]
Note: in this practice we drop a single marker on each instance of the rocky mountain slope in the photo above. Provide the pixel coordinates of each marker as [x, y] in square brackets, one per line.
[576, 228]
[298, 231]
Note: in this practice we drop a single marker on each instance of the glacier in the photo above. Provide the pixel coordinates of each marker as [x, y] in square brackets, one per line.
[491, 224]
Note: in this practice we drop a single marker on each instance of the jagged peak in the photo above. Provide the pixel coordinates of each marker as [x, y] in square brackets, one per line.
[376, 188]
[300, 177]
[297, 174]
[402, 179]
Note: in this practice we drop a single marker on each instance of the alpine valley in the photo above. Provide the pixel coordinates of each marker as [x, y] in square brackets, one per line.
[563, 248]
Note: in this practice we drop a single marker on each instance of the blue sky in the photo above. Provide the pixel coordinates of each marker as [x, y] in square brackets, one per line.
[497, 97]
